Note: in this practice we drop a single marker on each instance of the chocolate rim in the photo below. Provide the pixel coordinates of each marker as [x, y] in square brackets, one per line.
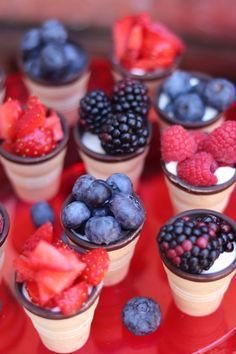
[189, 188]
[199, 277]
[3, 81]
[189, 125]
[72, 235]
[45, 313]
[36, 160]
[78, 132]
[6, 224]
[149, 76]
[48, 83]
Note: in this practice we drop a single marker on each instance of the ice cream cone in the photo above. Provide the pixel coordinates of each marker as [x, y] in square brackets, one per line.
[3, 235]
[35, 179]
[198, 294]
[185, 196]
[59, 333]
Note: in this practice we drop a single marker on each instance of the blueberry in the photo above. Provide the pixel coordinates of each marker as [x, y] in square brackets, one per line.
[53, 31]
[121, 183]
[74, 214]
[102, 229]
[177, 83]
[189, 107]
[103, 211]
[141, 315]
[169, 109]
[53, 60]
[220, 93]
[199, 87]
[42, 212]
[32, 66]
[128, 210]
[97, 193]
[76, 57]
[31, 40]
[81, 186]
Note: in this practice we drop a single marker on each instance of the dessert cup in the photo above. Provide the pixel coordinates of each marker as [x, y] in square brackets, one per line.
[164, 120]
[185, 196]
[103, 165]
[59, 333]
[3, 235]
[62, 97]
[38, 178]
[198, 294]
[120, 252]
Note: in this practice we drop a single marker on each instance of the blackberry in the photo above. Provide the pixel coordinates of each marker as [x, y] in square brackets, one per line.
[124, 133]
[130, 95]
[94, 110]
[193, 244]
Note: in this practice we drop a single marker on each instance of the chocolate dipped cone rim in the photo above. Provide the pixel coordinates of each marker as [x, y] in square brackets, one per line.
[172, 120]
[155, 74]
[81, 242]
[78, 133]
[49, 314]
[189, 188]
[36, 160]
[199, 277]
[6, 224]
[49, 83]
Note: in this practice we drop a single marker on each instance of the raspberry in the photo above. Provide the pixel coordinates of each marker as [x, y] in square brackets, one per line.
[198, 170]
[177, 144]
[199, 137]
[221, 143]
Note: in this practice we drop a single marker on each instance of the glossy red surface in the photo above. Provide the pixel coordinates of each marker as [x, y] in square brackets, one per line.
[178, 333]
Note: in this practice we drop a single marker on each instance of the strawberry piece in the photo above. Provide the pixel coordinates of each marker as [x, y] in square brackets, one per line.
[10, 112]
[56, 281]
[24, 270]
[33, 117]
[221, 143]
[54, 124]
[33, 292]
[177, 144]
[36, 144]
[46, 295]
[71, 300]
[120, 32]
[1, 224]
[97, 262]
[198, 170]
[134, 42]
[43, 233]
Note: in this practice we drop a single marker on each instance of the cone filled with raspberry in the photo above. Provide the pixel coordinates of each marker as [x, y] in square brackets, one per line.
[4, 229]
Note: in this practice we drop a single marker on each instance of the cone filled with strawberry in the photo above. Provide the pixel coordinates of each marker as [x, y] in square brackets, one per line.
[4, 229]
[33, 143]
[59, 289]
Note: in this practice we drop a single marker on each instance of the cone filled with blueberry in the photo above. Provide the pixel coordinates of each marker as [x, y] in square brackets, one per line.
[108, 214]
[4, 229]
[55, 68]
[198, 250]
[199, 168]
[33, 143]
[59, 288]
[193, 100]
[114, 134]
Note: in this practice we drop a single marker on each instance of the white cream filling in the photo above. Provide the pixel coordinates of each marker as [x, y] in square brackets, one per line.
[92, 142]
[223, 261]
[223, 174]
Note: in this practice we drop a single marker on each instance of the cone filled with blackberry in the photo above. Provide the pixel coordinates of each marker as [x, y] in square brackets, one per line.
[198, 250]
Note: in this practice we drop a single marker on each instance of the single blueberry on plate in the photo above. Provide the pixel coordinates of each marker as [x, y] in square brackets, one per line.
[189, 107]
[141, 315]
[53, 60]
[53, 31]
[177, 83]
[42, 212]
[121, 183]
[31, 40]
[220, 93]
[74, 214]
[81, 186]
[103, 211]
[102, 229]
[97, 194]
[127, 210]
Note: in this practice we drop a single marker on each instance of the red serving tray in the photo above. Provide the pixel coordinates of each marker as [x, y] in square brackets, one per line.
[178, 333]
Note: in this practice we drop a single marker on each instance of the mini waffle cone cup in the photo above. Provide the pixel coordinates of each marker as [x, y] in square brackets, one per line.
[62, 98]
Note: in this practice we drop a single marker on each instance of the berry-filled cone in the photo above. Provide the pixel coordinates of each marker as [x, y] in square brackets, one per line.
[4, 229]
[198, 294]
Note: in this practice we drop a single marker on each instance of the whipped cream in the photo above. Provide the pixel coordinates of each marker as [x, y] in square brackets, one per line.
[92, 142]
[223, 261]
[223, 174]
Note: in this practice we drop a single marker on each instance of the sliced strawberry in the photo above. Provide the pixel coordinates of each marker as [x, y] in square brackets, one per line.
[97, 262]
[24, 270]
[46, 295]
[71, 300]
[53, 122]
[36, 144]
[121, 31]
[134, 42]
[33, 117]
[44, 232]
[10, 112]
[48, 257]
[33, 292]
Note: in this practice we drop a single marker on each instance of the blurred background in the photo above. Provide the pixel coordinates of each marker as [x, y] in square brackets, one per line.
[207, 26]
